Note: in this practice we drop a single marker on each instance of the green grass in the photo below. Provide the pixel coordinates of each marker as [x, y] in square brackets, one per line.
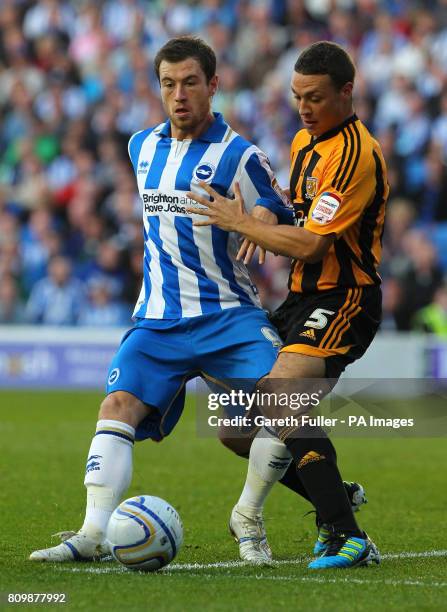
[44, 441]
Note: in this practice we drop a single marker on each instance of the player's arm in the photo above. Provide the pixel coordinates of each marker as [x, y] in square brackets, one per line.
[296, 242]
[263, 197]
[333, 211]
[230, 215]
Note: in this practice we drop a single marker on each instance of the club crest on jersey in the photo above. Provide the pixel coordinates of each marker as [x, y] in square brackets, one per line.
[114, 375]
[311, 187]
[326, 208]
[203, 172]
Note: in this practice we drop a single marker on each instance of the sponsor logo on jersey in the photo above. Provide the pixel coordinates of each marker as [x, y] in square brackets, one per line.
[175, 202]
[204, 172]
[326, 208]
[114, 375]
[143, 167]
[271, 335]
[311, 187]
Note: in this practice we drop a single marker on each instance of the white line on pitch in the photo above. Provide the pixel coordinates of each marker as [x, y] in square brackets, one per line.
[318, 579]
[230, 564]
[414, 555]
[175, 567]
[322, 579]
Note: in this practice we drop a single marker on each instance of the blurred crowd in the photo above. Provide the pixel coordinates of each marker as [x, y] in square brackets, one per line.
[76, 80]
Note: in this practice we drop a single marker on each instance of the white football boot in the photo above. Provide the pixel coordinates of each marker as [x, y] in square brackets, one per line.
[74, 547]
[249, 532]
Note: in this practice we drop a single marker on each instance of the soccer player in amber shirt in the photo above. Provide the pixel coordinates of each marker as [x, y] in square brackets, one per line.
[338, 188]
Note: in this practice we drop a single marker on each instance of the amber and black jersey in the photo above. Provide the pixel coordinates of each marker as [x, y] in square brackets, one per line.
[338, 185]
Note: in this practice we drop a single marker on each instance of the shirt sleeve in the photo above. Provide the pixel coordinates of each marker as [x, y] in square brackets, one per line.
[259, 186]
[134, 146]
[335, 208]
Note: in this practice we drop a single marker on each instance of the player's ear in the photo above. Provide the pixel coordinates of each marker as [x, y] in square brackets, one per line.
[346, 90]
[213, 84]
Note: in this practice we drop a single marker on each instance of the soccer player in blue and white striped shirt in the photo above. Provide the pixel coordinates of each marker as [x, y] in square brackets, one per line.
[198, 314]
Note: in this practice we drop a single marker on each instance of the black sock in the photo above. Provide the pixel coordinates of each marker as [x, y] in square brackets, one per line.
[315, 461]
[292, 481]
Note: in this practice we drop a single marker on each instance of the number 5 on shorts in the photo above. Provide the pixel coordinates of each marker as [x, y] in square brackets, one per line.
[317, 319]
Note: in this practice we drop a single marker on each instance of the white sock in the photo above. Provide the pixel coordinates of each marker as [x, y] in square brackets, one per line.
[108, 474]
[268, 462]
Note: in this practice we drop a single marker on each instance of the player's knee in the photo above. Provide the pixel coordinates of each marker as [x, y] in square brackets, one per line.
[124, 407]
[267, 391]
[112, 407]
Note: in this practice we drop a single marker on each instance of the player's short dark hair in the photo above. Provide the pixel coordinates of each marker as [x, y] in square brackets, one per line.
[326, 57]
[178, 49]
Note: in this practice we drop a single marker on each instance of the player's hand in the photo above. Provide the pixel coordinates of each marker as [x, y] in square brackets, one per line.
[248, 248]
[221, 211]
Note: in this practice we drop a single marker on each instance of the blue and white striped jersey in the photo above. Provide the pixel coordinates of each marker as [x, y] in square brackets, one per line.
[190, 271]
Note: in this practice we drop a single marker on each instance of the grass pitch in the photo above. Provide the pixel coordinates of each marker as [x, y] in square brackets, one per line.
[45, 438]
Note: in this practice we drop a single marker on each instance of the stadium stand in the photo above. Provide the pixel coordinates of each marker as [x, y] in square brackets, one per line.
[76, 80]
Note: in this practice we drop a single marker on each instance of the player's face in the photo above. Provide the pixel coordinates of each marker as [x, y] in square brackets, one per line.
[186, 97]
[320, 104]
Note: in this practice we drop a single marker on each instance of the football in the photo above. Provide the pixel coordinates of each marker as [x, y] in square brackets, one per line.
[144, 533]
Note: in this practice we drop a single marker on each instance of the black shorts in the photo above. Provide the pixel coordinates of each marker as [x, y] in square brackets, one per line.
[338, 324]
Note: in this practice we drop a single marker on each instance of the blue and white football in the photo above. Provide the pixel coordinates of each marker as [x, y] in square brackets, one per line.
[144, 533]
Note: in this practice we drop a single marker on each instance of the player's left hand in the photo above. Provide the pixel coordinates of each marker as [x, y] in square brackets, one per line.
[221, 211]
[248, 248]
